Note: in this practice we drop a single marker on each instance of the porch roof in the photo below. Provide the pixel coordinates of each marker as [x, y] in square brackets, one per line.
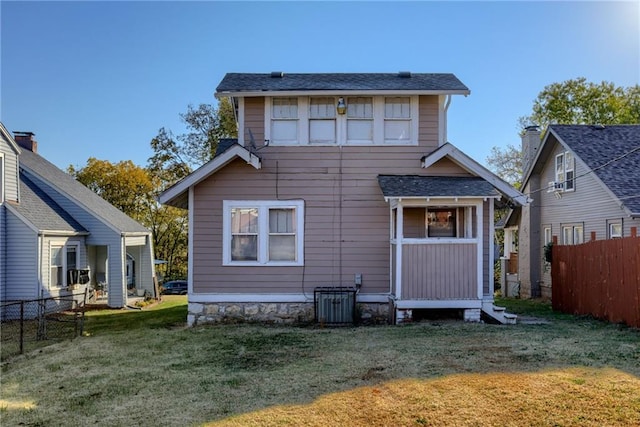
[416, 186]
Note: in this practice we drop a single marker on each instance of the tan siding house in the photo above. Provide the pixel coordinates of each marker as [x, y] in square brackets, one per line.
[314, 192]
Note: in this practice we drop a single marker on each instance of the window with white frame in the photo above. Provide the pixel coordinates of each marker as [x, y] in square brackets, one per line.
[284, 120]
[565, 171]
[615, 230]
[438, 222]
[322, 120]
[360, 119]
[397, 119]
[263, 232]
[547, 235]
[64, 257]
[572, 235]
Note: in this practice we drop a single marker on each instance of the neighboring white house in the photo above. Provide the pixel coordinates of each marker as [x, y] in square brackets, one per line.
[57, 236]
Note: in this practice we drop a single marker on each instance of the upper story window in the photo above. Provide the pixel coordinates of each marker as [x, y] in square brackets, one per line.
[263, 232]
[360, 119]
[322, 120]
[284, 120]
[1, 178]
[565, 172]
[368, 120]
[397, 119]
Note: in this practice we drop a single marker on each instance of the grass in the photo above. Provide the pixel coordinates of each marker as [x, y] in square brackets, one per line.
[145, 368]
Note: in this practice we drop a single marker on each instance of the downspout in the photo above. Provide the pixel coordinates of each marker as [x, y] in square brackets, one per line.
[446, 109]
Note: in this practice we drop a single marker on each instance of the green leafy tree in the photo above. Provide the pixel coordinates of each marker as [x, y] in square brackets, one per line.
[578, 101]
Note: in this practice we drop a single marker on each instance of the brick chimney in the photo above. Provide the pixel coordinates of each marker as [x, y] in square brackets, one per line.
[26, 140]
[530, 144]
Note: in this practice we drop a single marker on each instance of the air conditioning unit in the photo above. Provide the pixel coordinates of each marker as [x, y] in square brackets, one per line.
[555, 186]
[335, 305]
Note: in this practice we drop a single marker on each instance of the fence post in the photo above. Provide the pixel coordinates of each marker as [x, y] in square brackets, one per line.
[21, 327]
[634, 231]
[593, 236]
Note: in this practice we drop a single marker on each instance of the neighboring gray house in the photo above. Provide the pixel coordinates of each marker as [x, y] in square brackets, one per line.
[584, 181]
[340, 180]
[57, 236]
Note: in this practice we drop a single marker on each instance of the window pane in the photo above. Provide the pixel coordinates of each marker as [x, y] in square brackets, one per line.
[560, 168]
[569, 184]
[281, 221]
[578, 235]
[397, 108]
[322, 131]
[285, 108]
[360, 108]
[244, 248]
[56, 266]
[615, 230]
[442, 223]
[567, 236]
[72, 257]
[360, 130]
[396, 130]
[244, 220]
[284, 130]
[322, 108]
[282, 248]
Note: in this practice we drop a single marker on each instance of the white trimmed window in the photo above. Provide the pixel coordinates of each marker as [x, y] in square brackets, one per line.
[397, 119]
[360, 119]
[572, 235]
[565, 172]
[322, 120]
[368, 120]
[64, 257]
[547, 235]
[615, 230]
[284, 120]
[260, 232]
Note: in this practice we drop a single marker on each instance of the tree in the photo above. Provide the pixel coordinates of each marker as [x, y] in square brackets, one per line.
[126, 186]
[577, 101]
[176, 156]
[506, 163]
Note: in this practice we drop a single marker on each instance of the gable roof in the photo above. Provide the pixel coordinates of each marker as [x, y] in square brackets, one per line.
[178, 194]
[611, 153]
[448, 150]
[42, 212]
[42, 169]
[6, 136]
[409, 186]
[246, 84]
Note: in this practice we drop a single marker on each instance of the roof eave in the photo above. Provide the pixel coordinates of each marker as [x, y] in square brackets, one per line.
[438, 198]
[337, 92]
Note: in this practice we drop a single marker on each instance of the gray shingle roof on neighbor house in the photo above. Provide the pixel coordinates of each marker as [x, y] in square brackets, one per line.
[46, 171]
[612, 152]
[248, 82]
[224, 144]
[42, 211]
[435, 186]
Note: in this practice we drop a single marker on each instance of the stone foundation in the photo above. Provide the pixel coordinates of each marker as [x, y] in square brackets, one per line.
[278, 313]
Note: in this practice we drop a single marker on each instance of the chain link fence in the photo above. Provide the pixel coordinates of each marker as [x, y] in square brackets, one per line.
[30, 324]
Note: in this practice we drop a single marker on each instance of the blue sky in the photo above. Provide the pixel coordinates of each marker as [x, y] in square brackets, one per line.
[98, 79]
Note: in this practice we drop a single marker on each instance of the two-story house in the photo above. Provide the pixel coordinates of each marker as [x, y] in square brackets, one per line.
[57, 237]
[340, 180]
[584, 182]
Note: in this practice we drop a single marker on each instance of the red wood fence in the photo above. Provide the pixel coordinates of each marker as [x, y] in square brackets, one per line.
[599, 278]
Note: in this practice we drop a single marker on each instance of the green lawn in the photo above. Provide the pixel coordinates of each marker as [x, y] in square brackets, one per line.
[146, 368]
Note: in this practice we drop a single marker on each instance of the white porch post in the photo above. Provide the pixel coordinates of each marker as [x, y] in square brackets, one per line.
[491, 250]
[480, 239]
[399, 238]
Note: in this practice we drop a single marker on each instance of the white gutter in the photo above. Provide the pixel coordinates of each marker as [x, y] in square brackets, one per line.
[335, 92]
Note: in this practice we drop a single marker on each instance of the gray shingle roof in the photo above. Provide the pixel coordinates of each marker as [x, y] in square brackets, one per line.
[66, 184]
[435, 186]
[246, 82]
[598, 145]
[224, 144]
[41, 211]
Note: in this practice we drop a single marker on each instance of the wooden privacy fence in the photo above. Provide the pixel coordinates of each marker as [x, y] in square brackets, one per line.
[599, 278]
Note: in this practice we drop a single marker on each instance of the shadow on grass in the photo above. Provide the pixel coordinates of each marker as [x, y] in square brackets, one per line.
[171, 312]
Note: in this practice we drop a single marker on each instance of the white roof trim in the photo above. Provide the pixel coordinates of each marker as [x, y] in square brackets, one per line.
[470, 165]
[334, 92]
[209, 168]
[7, 136]
[437, 199]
